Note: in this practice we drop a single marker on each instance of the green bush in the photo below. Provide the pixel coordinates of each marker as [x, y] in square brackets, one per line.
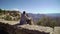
[46, 21]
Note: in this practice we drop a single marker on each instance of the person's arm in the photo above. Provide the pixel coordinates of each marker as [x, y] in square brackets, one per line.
[26, 16]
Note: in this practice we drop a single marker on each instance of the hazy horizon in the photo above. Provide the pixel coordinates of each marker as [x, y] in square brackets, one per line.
[32, 6]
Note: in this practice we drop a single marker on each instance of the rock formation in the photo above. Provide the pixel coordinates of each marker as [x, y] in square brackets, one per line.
[24, 29]
[35, 28]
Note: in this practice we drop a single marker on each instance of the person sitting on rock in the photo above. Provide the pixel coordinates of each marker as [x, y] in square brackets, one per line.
[23, 18]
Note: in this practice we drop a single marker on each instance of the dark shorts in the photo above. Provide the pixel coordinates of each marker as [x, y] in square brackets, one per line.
[22, 22]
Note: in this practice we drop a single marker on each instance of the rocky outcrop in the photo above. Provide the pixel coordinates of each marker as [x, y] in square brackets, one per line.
[34, 29]
[10, 15]
[24, 29]
[27, 31]
[57, 30]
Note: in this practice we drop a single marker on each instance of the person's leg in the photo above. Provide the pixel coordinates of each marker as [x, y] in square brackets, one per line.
[29, 22]
[21, 23]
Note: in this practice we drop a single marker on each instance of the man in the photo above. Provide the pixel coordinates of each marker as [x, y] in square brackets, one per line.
[23, 18]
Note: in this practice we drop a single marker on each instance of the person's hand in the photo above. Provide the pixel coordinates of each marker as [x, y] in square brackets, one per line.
[29, 17]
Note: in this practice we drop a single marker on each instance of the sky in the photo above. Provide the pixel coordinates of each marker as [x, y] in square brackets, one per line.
[32, 6]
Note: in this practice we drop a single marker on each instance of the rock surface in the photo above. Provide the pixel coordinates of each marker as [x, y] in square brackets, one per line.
[33, 28]
[27, 29]
[56, 30]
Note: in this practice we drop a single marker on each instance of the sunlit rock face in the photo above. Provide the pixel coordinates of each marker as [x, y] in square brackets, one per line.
[35, 29]
[24, 29]
[57, 30]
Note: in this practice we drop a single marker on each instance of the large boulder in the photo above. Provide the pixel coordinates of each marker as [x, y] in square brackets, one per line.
[24, 29]
[34, 29]
[57, 30]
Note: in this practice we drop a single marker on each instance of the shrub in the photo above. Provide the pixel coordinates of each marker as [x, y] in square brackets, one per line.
[8, 18]
[46, 21]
